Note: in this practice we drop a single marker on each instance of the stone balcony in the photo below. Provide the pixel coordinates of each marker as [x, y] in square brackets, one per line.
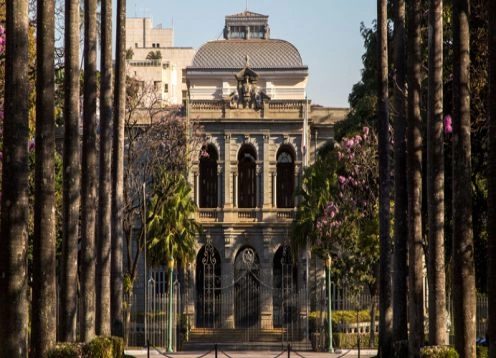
[244, 215]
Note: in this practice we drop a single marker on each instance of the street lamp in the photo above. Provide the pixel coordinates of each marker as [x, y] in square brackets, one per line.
[170, 266]
[329, 317]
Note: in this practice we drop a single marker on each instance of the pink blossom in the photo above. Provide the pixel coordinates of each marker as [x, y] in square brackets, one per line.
[365, 131]
[448, 128]
[342, 180]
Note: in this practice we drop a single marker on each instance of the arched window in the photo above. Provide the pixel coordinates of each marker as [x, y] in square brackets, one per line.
[208, 177]
[285, 178]
[247, 180]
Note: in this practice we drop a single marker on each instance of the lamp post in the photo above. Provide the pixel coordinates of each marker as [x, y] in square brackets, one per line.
[170, 265]
[329, 317]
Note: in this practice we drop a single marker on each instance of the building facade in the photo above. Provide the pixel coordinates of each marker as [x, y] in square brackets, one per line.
[248, 92]
[154, 61]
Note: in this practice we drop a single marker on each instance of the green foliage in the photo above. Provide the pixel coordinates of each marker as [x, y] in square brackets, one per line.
[65, 350]
[172, 229]
[351, 340]
[438, 352]
[482, 352]
[99, 347]
[104, 347]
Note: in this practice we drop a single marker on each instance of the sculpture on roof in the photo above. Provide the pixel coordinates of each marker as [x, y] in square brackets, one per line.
[249, 94]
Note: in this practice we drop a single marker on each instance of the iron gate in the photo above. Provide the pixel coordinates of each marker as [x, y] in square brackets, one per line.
[246, 298]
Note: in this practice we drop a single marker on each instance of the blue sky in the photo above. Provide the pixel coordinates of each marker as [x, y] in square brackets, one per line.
[326, 32]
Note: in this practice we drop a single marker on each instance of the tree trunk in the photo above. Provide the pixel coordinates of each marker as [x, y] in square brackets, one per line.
[463, 246]
[118, 171]
[88, 178]
[400, 266]
[385, 307]
[71, 176]
[14, 223]
[414, 185]
[491, 184]
[435, 179]
[103, 321]
[43, 314]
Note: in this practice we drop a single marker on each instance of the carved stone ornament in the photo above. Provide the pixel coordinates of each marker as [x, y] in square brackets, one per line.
[248, 94]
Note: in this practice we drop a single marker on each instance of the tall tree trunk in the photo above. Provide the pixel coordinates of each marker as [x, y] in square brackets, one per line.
[43, 315]
[118, 171]
[400, 267]
[463, 245]
[71, 176]
[88, 179]
[14, 223]
[435, 179]
[385, 306]
[491, 184]
[103, 321]
[414, 185]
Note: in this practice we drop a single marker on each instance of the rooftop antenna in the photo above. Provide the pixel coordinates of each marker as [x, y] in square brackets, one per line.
[246, 5]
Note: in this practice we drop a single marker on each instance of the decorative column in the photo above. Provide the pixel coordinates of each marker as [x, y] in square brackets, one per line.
[235, 190]
[227, 171]
[259, 188]
[197, 188]
[274, 189]
[219, 185]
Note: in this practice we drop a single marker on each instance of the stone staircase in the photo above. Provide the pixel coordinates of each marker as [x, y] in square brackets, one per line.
[204, 339]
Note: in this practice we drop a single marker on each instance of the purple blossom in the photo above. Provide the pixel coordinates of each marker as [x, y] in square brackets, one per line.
[342, 180]
[448, 125]
[365, 131]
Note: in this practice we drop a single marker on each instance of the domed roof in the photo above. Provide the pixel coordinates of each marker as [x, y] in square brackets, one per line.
[259, 53]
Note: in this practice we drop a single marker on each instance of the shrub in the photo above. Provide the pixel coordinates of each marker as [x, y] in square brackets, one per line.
[117, 347]
[438, 352]
[482, 352]
[65, 350]
[350, 340]
[104, 347]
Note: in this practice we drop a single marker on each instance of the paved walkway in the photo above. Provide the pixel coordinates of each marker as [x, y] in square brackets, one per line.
[345, 353]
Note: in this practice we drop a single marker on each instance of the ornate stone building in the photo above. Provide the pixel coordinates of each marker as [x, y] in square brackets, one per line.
[248, 91]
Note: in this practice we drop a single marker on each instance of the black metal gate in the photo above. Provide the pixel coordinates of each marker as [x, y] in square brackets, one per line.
[240, 301]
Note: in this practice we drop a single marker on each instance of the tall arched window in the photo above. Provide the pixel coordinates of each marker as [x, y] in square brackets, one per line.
[247, 180]
[285, 178]
[208, 177]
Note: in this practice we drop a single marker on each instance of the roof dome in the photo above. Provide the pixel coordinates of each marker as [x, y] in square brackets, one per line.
[259, 53]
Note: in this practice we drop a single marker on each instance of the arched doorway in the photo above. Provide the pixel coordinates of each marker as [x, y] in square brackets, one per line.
[208, 281]
[247, 289]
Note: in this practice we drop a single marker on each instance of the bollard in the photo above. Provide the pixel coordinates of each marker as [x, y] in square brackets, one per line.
[148, 348]
[289, 350]
[215, 349]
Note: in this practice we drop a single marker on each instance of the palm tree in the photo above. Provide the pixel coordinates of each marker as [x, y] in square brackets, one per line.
[463, 245]
[71, 176]
[154, 55]
[491, 184]
[43, 326]
[88, 178]
[414, 184]
[117, 171]
[435, 179]
[400, 267]
[385, 306]
[172, 231]
[14, 223]
[103, 321]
